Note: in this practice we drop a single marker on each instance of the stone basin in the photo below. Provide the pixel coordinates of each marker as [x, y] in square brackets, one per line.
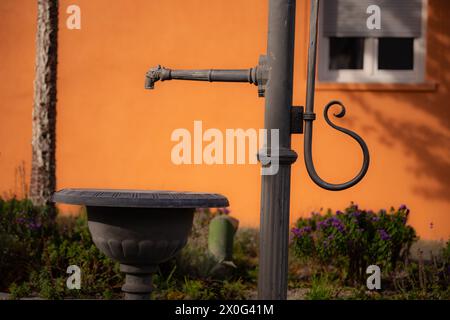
[139, 229]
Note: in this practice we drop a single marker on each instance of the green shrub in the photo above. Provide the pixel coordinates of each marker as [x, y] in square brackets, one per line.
[19, 291]
[36, 249]
[24, 230]
[73, 246]
[354, 239]
[446, 253]
[233, 290]
[196, 290]
[321, 289]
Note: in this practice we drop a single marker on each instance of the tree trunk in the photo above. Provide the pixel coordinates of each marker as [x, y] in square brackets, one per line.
[43, 177]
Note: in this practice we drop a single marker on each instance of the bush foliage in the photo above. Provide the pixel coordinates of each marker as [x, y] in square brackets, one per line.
[37, 249]
[353, 239]
[332, 251]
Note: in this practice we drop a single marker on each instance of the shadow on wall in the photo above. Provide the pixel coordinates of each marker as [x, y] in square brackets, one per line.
[427, 144]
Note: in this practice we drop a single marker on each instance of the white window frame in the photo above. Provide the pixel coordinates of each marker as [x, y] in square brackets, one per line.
[370, 72]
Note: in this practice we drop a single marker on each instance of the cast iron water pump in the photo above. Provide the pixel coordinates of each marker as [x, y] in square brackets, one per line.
[274, 77]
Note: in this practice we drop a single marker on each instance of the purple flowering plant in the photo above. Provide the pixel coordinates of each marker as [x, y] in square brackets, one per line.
[23, 230]
[22, 217]
[36, 247]
[354, 238]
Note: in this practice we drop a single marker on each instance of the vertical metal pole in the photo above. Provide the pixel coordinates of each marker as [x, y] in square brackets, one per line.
[275, 189]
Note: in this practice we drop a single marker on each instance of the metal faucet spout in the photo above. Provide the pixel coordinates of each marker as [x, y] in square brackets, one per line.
[211, 75]
[257, 75]
[154, 75]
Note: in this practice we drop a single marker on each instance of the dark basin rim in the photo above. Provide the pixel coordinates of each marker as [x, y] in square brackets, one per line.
[218, 202]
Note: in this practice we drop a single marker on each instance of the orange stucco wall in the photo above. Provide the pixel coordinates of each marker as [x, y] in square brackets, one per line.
[112, 133]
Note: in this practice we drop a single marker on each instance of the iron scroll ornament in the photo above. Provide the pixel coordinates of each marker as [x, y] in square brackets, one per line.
[308, 150]
[309, 115]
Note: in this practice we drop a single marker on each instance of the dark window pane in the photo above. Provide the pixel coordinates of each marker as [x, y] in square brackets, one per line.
[346, 53]
[396, 54]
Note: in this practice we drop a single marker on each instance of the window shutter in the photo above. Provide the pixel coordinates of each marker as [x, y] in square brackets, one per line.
[348, 18]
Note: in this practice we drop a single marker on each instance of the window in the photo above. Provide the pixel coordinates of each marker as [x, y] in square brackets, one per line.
[350, 52]
[396, 53]
[346, 53]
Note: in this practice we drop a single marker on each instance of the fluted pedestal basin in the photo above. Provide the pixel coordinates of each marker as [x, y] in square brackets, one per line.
[139, 229]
